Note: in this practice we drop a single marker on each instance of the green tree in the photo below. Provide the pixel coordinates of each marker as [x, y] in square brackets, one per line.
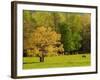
[70, 30]
[66, 37]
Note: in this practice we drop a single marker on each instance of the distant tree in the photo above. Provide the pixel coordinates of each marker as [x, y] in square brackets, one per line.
[86, 32]
[29, 24]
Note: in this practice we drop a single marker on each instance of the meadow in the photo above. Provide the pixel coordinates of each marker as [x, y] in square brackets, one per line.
[57, 61]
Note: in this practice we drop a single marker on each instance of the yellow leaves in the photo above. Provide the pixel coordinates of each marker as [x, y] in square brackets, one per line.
[61, 49]
[44, 40]
[41, 29]
[49, 29]
[33, 52]
[55, 36]
[43, 35]
[36, 51]
[50, 48]
[30, 53]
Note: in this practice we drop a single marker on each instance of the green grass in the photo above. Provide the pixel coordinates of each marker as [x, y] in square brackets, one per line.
[57, 61]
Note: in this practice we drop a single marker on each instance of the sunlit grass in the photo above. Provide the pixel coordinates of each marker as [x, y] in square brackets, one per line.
[57, 61]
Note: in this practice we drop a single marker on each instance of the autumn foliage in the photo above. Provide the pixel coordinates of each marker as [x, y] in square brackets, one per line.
[45, 42]
[56, 33]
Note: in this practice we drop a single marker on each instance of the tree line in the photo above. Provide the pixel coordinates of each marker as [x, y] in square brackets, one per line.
[73, 28]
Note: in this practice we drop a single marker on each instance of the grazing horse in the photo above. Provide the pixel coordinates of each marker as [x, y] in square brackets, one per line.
[83, 56]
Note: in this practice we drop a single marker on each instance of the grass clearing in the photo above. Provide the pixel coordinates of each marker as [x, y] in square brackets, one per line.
[57, 61]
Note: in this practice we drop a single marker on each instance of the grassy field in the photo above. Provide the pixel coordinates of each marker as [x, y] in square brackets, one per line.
[57, 61]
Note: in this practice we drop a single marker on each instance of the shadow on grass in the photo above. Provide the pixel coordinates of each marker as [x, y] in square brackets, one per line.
[30, 62]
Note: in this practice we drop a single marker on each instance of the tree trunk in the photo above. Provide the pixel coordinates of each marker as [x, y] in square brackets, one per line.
[42, 59]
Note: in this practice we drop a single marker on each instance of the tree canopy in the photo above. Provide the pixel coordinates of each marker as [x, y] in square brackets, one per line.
[47, 30]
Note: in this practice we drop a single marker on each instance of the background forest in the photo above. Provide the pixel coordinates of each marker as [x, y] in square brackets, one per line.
[56, 33]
